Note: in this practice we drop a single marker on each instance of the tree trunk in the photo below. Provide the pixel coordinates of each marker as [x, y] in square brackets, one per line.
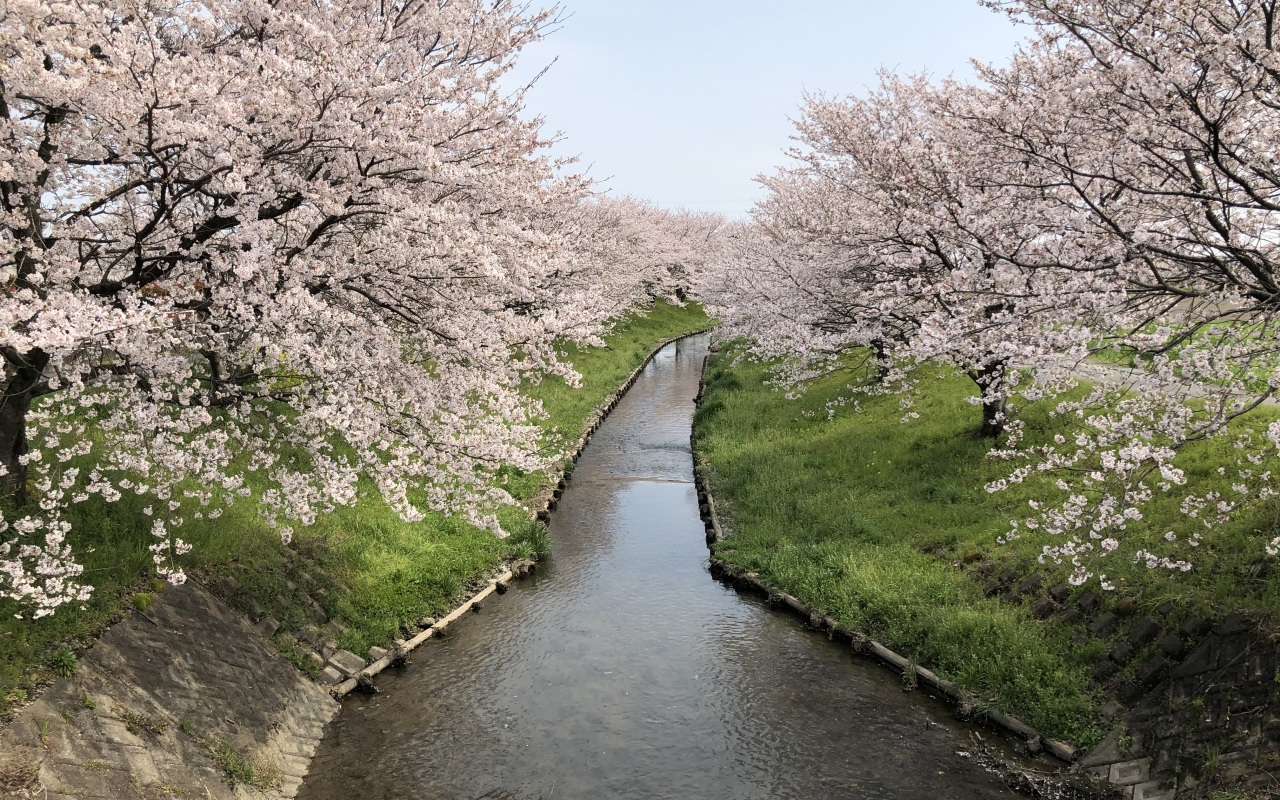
[880, 352]
[24, 380]
[995, 412]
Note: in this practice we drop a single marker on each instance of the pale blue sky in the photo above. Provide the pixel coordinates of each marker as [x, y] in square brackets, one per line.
[685, 102]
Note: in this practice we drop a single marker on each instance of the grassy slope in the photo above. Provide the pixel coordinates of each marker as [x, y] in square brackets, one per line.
[870, 519]
[369, 569]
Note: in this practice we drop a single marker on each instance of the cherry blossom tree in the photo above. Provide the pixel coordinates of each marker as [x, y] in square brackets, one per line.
[901, 233]
[622, 250]
[1158, 120]
[1113, 188]
[305, 240]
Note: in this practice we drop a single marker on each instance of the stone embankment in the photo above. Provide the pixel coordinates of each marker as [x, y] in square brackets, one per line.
[183, 699]
[1194, 703]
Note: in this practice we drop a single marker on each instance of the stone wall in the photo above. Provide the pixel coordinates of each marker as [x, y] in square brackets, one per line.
[1194, 702]
[184, 699]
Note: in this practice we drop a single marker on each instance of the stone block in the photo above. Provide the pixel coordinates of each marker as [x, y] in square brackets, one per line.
[1240, 764]
[267, 626]
[1103, 625]
[1105, 753]
[1258, 666]
[1152, 791]
[1087, 602]
[1130, 773]
[1043, 608]
[1031, 584]
[347, 662]
[1170, 645]
[1143, 632]
[1131, 692]
[376, 653]
[1215, 708]
[1166, 608]
[1152, 669]
[1165, 761]
[336, 628]
[1060, 593]
[1201, 660]
[225, 586]
[1194, 626]
[1233, 649]
[1233, 623]
[1072, 616]
[1103, 671]
[1238, 704]
[1120, 653]
[1185, 689]
[327, 648]
[330, 676]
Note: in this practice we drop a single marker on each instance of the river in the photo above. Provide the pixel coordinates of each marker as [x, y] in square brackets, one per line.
[623, 670]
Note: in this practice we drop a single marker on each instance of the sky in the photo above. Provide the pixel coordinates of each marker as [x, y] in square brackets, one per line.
[685, 102]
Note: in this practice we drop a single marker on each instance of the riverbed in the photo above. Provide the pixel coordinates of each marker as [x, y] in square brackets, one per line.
[623, 670]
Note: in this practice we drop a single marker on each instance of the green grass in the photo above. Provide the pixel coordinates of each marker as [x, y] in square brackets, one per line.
[238, 770]
[870, 520]
[368, 569]
[1253, 369]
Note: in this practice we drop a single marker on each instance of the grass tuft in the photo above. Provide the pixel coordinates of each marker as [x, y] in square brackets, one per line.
[63, 662]
[239, 770]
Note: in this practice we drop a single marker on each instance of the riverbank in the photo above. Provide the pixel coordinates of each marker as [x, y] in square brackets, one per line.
[886, 528]
[361, 577]
[620, 669]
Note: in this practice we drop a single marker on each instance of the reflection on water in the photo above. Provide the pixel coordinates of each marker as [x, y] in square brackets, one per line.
[622, 670]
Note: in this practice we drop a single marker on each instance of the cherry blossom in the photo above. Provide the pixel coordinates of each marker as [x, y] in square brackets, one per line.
[310, 242]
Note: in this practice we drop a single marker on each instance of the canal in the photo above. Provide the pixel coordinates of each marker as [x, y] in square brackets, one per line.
[623, 670]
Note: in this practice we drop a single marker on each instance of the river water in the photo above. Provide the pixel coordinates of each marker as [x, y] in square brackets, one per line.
[623, 670]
